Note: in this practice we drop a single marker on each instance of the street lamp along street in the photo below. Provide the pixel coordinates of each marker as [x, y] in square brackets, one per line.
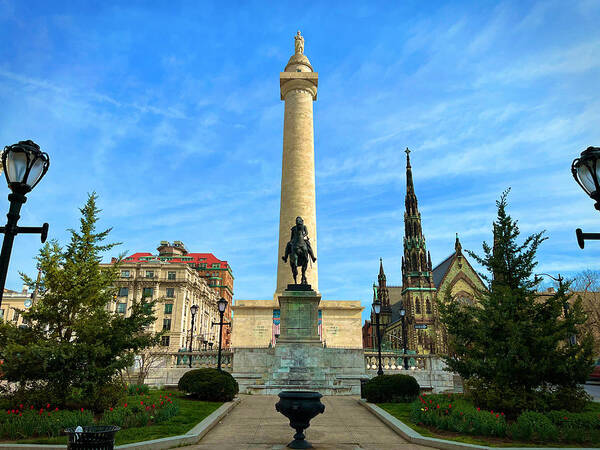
[377, 310]
[222, 305]
[586, 172]
[24, 166]
[193, 310]
[402, 315]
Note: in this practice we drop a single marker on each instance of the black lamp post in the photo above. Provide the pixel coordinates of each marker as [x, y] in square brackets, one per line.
[24, 166]
[193, 310]
[559, 280]
[402, 316]
[377, 310]
[222, 305]
[585, 170]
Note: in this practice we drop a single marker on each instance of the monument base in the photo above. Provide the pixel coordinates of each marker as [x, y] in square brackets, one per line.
[299, 306]
[299, 361]
[299, 366]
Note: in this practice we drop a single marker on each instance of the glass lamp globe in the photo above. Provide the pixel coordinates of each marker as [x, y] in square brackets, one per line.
[222, 304]
[586, 172]
[194, 309]
[24, 165]
[377, 306]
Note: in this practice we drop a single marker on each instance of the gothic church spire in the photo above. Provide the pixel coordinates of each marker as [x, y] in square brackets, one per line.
[416, 260]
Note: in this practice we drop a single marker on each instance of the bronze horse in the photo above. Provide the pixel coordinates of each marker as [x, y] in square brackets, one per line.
[299, 249]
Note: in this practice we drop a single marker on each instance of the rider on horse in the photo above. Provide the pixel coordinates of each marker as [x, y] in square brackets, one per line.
[298, 240]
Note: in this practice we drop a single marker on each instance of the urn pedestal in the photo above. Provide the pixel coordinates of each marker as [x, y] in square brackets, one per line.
[300, 407]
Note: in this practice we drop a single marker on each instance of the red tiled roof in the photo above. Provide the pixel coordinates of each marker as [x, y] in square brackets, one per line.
[205, 258]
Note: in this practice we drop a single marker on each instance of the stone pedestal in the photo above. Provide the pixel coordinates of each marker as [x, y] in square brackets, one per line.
[298, 361]
[299, 306]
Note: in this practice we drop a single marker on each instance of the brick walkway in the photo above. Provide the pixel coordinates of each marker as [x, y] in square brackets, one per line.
[254, 424]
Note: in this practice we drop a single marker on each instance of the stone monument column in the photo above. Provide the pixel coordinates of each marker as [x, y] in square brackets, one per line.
[298, 84]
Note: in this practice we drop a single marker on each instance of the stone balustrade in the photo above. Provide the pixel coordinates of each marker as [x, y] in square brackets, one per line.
[394, 360]
[200, 359]
[428, 369]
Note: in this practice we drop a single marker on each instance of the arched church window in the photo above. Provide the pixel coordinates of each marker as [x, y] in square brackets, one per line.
[418, 305]
[427, 306]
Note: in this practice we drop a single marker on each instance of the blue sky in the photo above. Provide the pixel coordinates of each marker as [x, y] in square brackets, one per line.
[170, 111]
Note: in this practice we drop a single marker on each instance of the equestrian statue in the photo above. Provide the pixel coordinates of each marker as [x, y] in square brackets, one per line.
[298, 249]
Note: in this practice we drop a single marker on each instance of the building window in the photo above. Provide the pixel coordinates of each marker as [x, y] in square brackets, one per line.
[16, 316]
[149, 273]
[168, 308]
[171, 275]
[166, 324]
[147, 292]
[215, 265]
[203, 266]
[125, 273]
[165, 341]
[427, 306]
[2, 313]
[170, 292]
[417, 305]
[123, 292]
[122, 308]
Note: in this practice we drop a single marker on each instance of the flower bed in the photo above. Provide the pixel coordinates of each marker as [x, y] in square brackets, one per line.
[455, 413]
[25, 421]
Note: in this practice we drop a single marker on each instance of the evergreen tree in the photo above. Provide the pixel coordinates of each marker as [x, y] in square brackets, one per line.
[72, 345]
[512, 346]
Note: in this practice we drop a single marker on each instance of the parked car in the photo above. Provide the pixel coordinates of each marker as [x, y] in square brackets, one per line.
[595, 375]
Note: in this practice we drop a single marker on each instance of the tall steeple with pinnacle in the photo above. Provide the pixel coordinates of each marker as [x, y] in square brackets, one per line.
[416, 261]
[418, 289]
[384, 296]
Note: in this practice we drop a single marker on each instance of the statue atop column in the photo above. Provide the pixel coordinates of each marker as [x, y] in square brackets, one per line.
[299, 44]
[299, 249]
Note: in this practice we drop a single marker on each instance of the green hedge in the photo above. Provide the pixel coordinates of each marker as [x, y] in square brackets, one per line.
[455, 413]
[209, 385]
[391, 388]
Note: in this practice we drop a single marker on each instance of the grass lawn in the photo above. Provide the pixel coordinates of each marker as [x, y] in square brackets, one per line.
[190, 413]
[401, 411]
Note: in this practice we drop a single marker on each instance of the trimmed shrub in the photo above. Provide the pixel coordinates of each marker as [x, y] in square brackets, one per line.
[534, 426]
[391, 388]
[209, 384]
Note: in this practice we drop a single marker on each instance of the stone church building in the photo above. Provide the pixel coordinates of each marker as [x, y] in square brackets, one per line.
[421, 285]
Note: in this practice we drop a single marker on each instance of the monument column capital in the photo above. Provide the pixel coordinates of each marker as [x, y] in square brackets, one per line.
[306, 81]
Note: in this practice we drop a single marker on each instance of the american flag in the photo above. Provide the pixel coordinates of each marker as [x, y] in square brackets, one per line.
[276, 324]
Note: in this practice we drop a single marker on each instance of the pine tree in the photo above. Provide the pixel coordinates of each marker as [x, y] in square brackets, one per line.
[72, 343]
[512, 346]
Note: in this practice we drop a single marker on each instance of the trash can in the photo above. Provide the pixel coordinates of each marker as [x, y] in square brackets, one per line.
[93, 437]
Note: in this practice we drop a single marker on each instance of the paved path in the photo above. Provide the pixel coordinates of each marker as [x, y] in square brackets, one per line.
[254, 424]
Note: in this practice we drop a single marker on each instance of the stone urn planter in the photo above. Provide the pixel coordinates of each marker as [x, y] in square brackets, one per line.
[300, 407]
